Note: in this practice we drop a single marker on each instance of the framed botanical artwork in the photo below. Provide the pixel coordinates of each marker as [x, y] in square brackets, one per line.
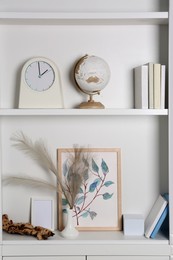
[98, 203]
[42, 213]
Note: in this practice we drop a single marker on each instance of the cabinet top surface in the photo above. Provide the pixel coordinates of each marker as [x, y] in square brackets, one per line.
[87, 238]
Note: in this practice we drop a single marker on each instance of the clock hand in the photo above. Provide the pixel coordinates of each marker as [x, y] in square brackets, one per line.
[39, 69]
[44, 72]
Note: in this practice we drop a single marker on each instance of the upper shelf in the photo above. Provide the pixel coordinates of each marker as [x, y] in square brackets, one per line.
[82, 18]
[83, 112]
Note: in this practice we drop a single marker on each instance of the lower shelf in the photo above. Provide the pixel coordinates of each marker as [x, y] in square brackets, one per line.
[87, 243]
[87, 237]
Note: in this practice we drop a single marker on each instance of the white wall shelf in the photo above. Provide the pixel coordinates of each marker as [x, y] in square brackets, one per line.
[80, 18]
[88, 243]
[83, 112]
[108, 237]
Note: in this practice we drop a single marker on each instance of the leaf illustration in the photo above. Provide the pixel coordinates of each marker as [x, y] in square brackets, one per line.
[108, 183]
[79, 200]
[85, 214]
[77, 209]
[85, 161]
[64, 211]
[64, 202]
[69, 174]
[95, 167]
[81, 190]
[94, 185]
[107, 196]
[92, 214]
[65, 168]
[86, 175]
[104, 167]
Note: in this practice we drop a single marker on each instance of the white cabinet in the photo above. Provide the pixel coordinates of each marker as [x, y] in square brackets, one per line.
[90, 258]
[128, 258]
[47, 258]
[125, 38]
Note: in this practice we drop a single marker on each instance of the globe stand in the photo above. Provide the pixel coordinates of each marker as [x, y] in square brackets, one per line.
[91, 104]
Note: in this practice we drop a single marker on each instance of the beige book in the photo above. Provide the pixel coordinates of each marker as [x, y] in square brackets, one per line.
[157, 82]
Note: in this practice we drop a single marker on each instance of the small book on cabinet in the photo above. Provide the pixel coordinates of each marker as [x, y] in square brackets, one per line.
[156, 217]
[160, 223]
[163, 223]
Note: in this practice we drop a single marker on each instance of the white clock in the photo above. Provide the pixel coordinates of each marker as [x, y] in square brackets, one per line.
[40, 85]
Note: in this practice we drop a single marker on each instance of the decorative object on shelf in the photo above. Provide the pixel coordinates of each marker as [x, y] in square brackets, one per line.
[42, 212]
[133, 225]
[100, 192]
[75, 170]
[25, 229]
[69, 230]
[91, 74]
[40, 84]
[39, 153]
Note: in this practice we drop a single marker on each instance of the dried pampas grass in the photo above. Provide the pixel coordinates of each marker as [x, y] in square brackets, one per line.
[37, 151]
[36, 182]
[78, 161]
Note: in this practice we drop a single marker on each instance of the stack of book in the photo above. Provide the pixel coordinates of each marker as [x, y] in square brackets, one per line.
[150, 86]
[157, 217]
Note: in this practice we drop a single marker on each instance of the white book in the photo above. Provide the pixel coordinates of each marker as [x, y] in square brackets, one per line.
[157, 77]
[162, 87]
[141, 87]
[150, 85]
[155, 215]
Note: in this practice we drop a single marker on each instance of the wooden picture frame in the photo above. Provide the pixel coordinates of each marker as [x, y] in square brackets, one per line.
[42, 212]
[98, 204]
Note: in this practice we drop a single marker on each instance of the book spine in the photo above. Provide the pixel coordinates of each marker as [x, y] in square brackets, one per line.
[141, 87]
[162, 87]
[156, 77]
[151, 85]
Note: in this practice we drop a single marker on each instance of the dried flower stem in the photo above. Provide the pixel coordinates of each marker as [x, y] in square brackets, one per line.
[38, 152]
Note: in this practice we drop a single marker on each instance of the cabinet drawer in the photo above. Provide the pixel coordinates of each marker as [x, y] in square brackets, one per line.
[127, 258]
[45, 258]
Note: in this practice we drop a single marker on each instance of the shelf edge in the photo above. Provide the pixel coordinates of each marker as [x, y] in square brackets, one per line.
[83, 112]
[84, 17]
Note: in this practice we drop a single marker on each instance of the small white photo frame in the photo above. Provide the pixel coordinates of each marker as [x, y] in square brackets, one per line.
[42, 212]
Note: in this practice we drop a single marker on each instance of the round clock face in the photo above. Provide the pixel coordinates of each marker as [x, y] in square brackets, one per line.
[39, 76]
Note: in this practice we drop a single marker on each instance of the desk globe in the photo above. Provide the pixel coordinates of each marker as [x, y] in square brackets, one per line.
[91, 74]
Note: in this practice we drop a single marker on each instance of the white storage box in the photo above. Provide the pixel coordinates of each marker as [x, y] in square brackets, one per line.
[133, 225]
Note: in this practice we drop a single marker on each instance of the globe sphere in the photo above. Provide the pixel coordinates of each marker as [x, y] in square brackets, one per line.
[92, 74]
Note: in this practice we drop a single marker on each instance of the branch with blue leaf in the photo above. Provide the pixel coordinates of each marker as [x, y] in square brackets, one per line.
[90, 191]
